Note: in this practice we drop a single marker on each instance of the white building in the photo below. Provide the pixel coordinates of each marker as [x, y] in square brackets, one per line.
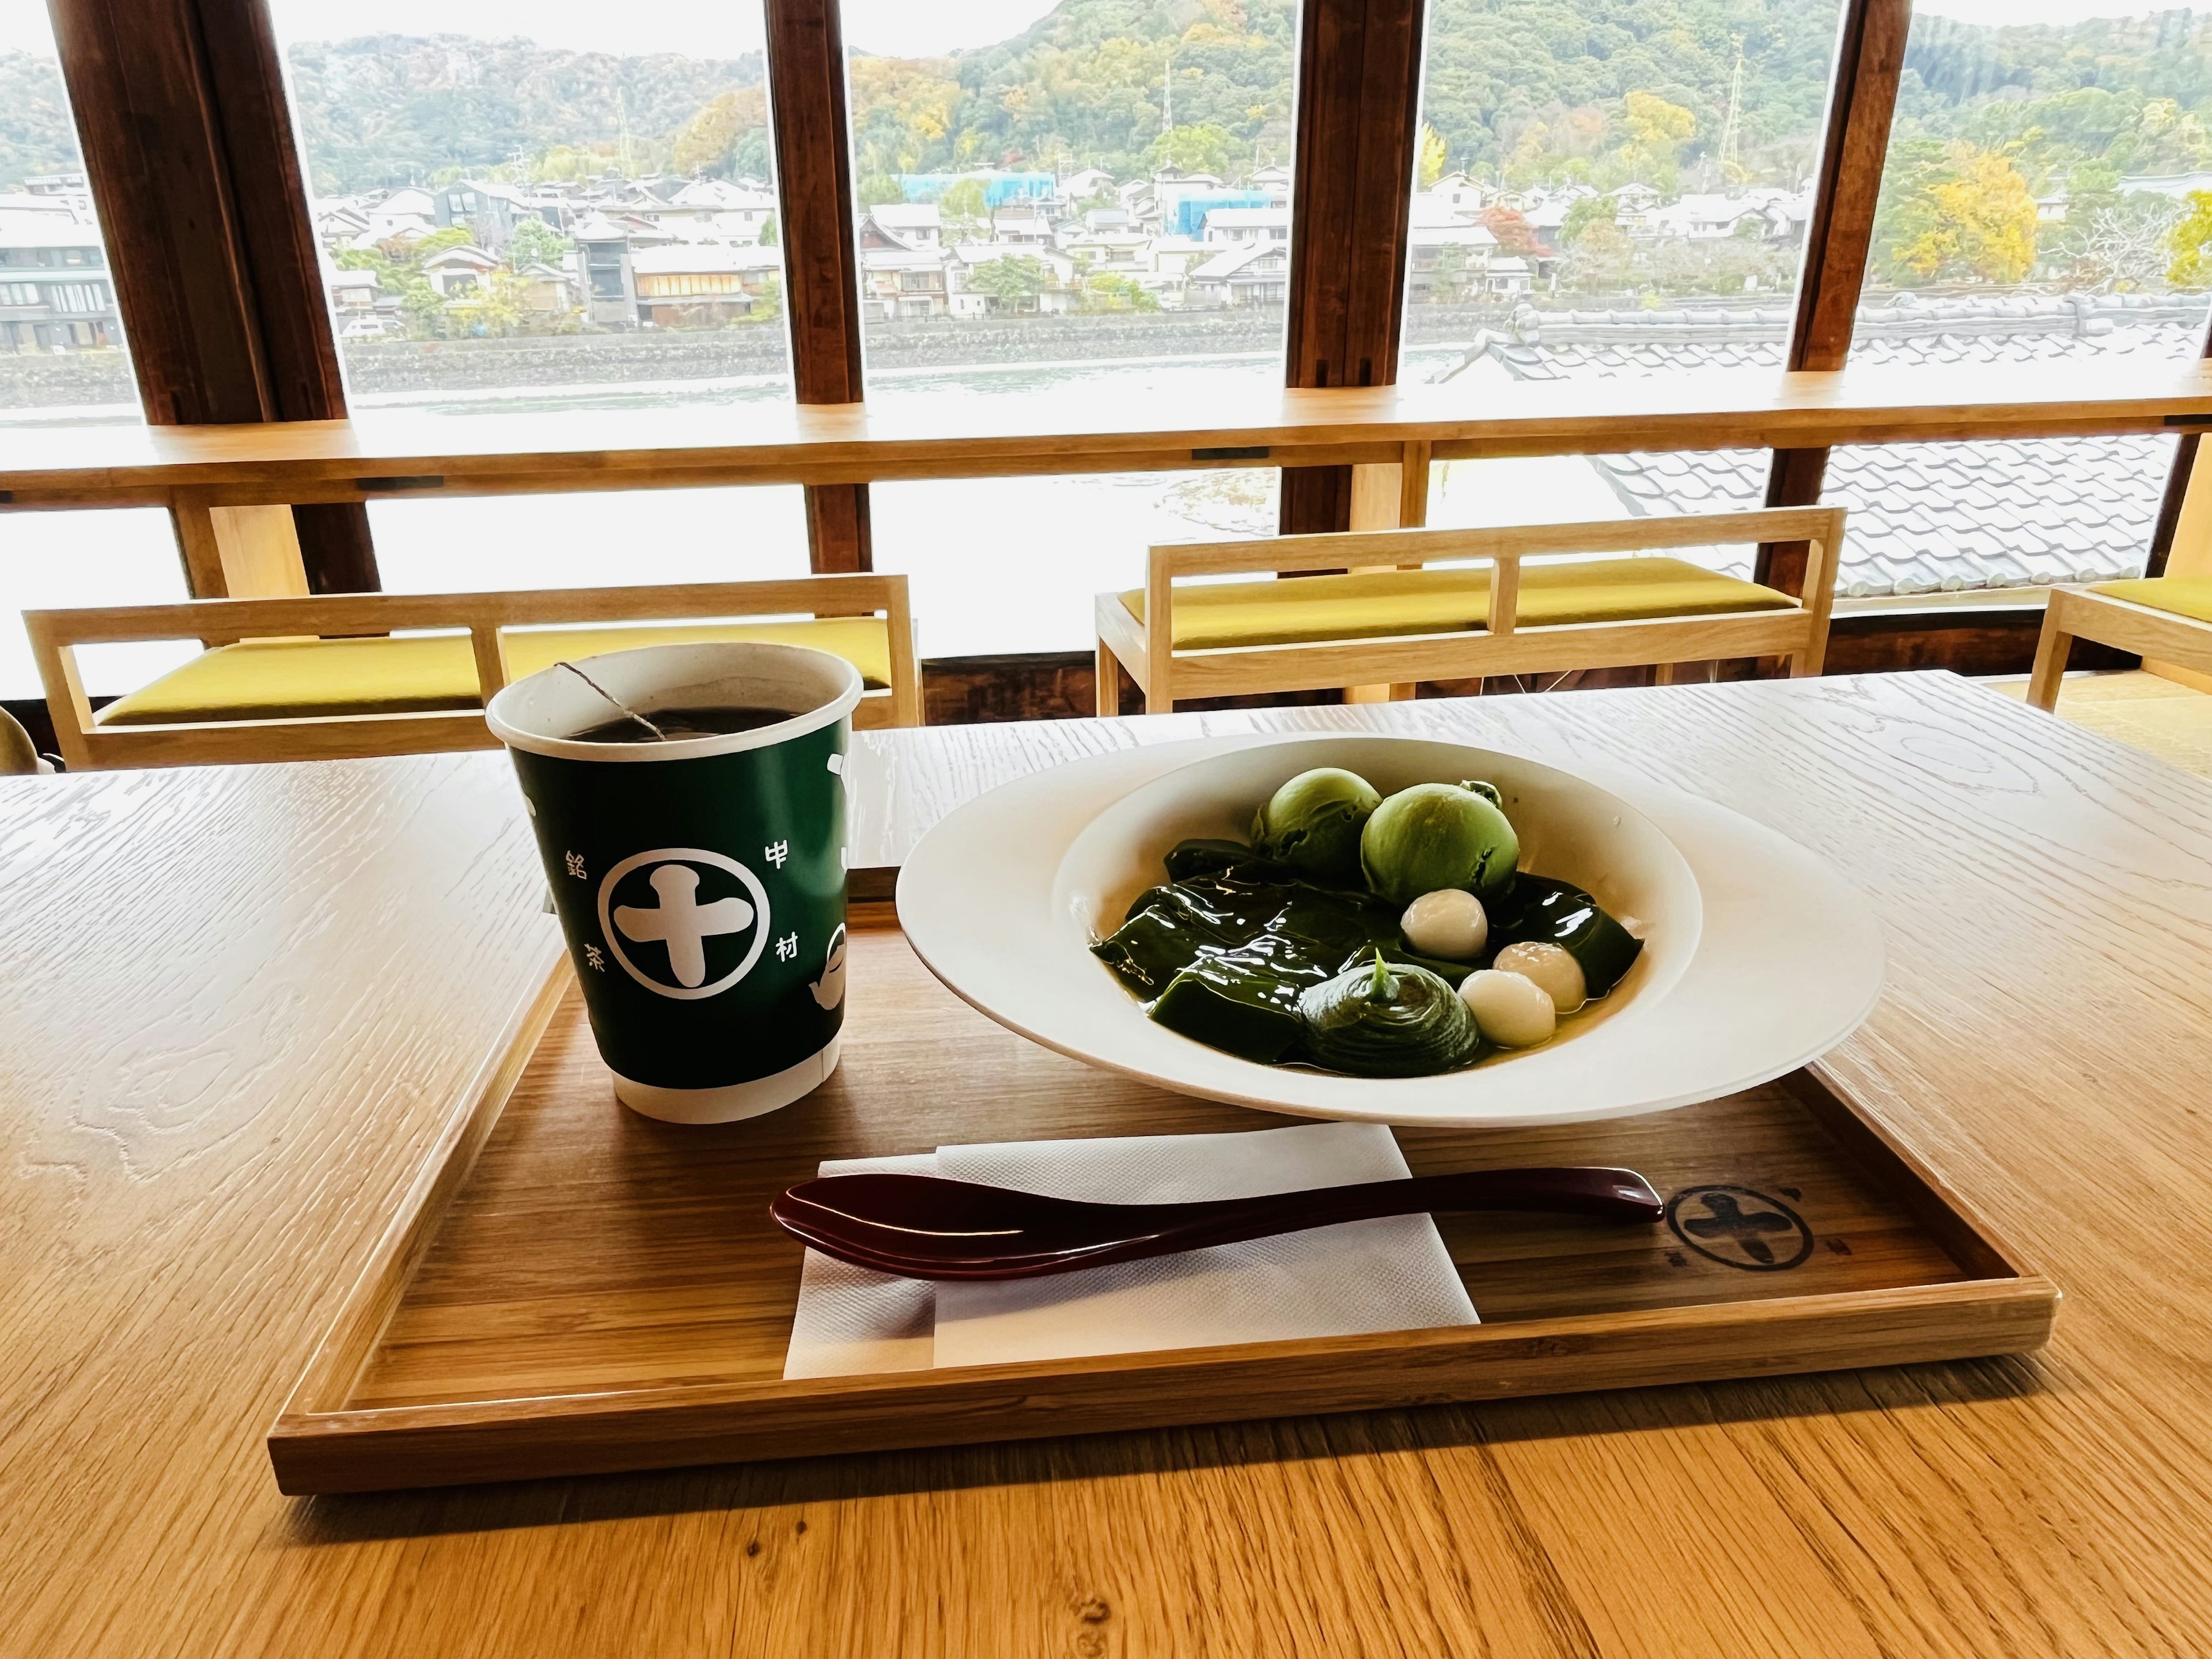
[1241, 227]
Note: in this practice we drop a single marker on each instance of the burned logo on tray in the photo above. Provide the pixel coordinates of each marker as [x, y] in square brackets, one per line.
[1739, 1227]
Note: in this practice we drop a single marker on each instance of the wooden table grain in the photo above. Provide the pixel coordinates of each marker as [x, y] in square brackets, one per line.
[240, 1002]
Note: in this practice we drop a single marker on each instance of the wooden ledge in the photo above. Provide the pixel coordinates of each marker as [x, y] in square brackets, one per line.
[381, 454]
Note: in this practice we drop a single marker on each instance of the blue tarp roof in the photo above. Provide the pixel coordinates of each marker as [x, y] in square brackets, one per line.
[1190, 211]
[997, 186]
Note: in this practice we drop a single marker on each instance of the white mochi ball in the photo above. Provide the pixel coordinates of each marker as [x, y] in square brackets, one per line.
[1449, 924]
[1551, 966]
[1512, 1010]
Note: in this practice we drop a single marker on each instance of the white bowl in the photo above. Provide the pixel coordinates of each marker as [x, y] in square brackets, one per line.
[1758, 957]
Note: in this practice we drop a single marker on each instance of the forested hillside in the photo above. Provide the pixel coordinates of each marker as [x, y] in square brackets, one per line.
[35, 134]
[1533, 91]
[387, 109]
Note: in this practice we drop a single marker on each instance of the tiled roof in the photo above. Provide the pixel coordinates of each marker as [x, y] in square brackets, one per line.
[1925, 518]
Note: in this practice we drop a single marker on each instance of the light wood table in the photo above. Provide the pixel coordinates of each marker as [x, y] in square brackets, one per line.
[241, 1001]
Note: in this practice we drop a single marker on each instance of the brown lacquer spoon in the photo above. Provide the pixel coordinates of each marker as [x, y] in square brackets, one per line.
[927, 1228]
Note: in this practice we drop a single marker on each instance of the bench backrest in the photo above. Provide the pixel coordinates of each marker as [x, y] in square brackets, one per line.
[55, 636]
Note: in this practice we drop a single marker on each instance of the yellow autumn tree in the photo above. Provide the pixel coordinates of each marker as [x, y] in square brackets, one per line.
[1972, 218]
[2190, 242]
[709, 135]
[1656, 132]
[1432, 157]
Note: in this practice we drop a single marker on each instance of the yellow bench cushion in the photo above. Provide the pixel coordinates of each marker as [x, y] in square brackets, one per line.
[2182, 596]
[1379, 604]
[419, 673]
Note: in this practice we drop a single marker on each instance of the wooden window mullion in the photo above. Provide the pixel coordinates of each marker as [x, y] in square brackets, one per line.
[1359, 122]
[1862, 101]
[821, 276]
[188, 144]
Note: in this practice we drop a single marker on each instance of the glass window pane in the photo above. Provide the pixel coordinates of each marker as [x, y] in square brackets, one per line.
[1075, 208]
[62, 359]
[1609, 191]
[2044, 194]
[469, 544]
[519, 205]
[543, 209]
[2044, 198]
[2015, 512]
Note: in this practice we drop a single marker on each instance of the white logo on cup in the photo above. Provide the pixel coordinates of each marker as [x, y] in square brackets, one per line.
[678, 924]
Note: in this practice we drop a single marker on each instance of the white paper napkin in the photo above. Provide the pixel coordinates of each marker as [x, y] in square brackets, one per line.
[1389, 1274]
[852, 1321]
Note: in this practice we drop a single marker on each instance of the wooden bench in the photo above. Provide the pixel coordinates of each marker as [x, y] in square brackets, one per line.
[1392, 617]
[337, 676]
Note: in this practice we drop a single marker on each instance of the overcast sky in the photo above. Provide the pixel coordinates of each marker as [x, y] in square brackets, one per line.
[902, 27]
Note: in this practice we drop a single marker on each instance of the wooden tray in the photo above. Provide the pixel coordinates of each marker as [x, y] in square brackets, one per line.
[570, 1288]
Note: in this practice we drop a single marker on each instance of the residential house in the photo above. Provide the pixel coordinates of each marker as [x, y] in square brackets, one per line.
[717, 209]
[1252, 274]
[1021, 224]
[695, 285]
[1238, 225]
[605, 255]
[55, 291]
[339, 221]
[488, 211]
[398, 216]
[1172, 257]
[1275, 182]
[460, 273]
[1773, 215]
[1449, 262]
[353, 293]
[1509, 273]
[963, 298]
[1082, 185]
[546, 291]
[904, 282]
[1126, 250]
[1457, 194]
[906, 225]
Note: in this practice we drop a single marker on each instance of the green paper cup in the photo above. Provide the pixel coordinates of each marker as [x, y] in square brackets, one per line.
[700, 882]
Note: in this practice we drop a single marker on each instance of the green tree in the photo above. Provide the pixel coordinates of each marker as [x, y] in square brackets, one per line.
[1204, 148]
[878, 190]
[1107, 291]
[1585, 215]
[536, 242]
[1012, 282]
[965, 211]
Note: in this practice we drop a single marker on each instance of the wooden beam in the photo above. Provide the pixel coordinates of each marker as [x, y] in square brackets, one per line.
[188, 144]
[1359, 122]
[1871, 40]
[821, 254]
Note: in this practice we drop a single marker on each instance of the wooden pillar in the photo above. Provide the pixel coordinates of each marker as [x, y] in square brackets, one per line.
[1862, 100]
[1359, 122]
[821, 256]
[188, 144]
